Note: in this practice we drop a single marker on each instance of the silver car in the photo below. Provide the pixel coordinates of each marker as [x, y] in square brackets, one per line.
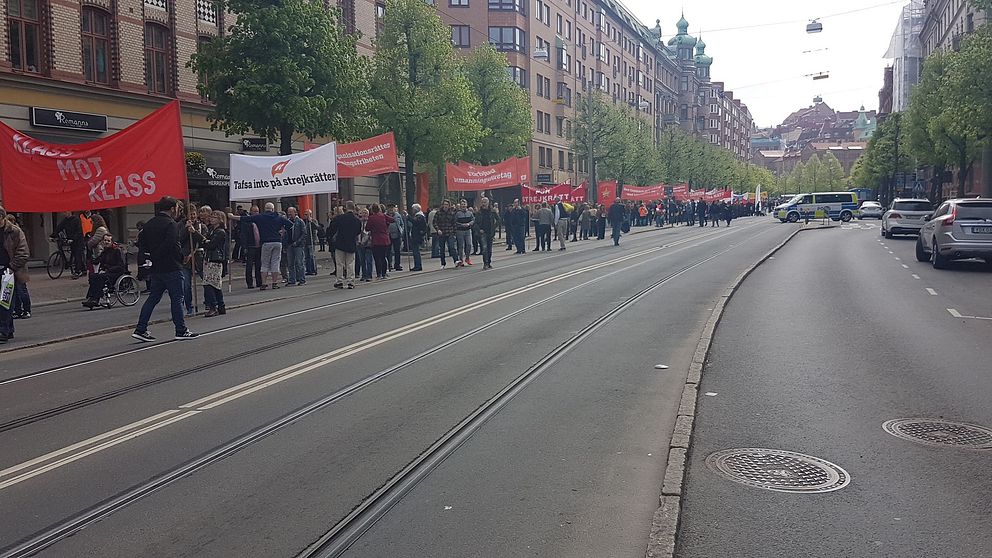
[959, 229]
[906, 216]
[871, 209]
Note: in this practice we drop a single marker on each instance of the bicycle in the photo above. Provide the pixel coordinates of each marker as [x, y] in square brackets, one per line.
[60, 261]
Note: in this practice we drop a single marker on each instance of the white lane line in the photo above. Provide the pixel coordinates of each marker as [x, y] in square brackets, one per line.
[957, 314]
[915, 276]
[891, 252]
[931, 291]
[898, 259]
[905, 266]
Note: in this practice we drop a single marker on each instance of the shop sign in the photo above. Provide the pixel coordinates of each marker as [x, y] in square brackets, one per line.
[254, 144]
[68, 120]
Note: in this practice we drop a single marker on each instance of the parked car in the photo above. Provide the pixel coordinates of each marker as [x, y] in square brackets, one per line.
[959, 229]
[906, 216]
[871, 209]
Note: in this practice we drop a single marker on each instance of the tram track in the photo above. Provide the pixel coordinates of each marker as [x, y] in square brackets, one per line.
[345, 532]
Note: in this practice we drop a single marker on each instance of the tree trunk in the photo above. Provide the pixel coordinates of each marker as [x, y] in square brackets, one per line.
[936, 184]
[962, 173]
[409, 191]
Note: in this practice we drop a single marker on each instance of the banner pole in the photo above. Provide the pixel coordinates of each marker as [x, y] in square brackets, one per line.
[192, 265]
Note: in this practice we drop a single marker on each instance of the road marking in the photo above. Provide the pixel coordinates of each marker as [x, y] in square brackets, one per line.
[891, 252]
[898, 259]
[957, 314]
[915, 276]
[931, 291]
[150, 424]
[905, 266]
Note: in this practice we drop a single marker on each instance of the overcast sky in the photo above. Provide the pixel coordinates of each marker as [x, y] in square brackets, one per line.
[748, 59]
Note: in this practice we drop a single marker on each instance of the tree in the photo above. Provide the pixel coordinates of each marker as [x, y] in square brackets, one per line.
[285, 67]
[968, 112]
[627, 151]
[596, 123]
[833, 173]
[504, 108]
[420, 92]
[926, 130]
[885, 157]
[794, 183]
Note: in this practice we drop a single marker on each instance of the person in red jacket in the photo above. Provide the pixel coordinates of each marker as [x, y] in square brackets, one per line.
[378, 225]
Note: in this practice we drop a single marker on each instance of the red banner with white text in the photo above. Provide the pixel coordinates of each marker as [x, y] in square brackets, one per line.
[644, 193]
[680, 192]
[368, 157]
[465, 177]
[564, 192]
[137, 165]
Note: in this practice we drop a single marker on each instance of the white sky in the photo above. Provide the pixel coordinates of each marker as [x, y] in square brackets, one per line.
[748, 59]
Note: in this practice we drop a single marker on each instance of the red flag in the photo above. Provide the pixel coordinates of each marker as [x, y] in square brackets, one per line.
[137, 165]
[607, 191]
[464, 177]
[368, 157]
[563, 192]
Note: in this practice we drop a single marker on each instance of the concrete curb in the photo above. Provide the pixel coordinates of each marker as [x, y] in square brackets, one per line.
[665, 523]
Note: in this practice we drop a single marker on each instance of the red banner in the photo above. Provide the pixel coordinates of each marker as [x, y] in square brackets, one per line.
[137, 165]
[680, 192]
[607, 191]
[368, 157]
[564, 192]
[644, 193]
[464, 177]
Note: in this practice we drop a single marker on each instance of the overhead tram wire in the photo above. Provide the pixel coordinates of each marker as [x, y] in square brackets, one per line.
[795, 21]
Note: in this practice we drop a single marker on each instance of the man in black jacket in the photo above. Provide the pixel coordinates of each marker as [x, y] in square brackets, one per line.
[345, 228]
[71, 229]
[418, 234]
[616, 217]
[518, 225]
[486, 220]
[160, 238]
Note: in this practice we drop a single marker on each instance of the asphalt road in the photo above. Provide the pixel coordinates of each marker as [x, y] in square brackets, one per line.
[192, 448]
[837, 334]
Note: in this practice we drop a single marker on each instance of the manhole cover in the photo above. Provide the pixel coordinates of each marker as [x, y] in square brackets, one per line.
[783, 471]
[939, 432]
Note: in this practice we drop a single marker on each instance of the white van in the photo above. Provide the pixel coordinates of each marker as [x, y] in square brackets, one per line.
[839, 206]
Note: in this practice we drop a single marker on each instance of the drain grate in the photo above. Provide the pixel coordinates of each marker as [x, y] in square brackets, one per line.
[779, 470]
[939, 432]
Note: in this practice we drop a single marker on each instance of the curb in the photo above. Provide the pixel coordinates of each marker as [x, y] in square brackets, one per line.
[665, 523]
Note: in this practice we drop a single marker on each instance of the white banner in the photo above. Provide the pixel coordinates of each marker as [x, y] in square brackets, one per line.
[309, 172]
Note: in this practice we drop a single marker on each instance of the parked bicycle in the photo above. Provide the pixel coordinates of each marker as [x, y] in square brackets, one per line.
[61, 259]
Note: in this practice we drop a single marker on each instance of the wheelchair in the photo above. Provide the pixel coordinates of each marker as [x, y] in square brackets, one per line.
[125, 291]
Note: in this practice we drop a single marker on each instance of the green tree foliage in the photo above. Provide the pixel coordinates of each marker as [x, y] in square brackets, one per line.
[420, 91]
[887, 155]
[285, 67]
[629, 155]
[597, 123]
[504, 108]
[833, 173]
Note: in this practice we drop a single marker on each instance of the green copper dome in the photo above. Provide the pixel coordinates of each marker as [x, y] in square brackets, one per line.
[701, 58]
[682, 39]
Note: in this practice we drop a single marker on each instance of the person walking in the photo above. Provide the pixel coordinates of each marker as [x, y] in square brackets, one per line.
[561, 218]
[601, 222]
[701, 212]
[444, 225]
[728, 213]
[269, 225]
[616, 218]
[363, 264]
[586, 215]
[14, 256]
[213, 241]
[397, 231]
[309, 243]
[378, 227]
[506, 224]
[294, 240]
[346, 227]
[464, 220]
[418, 234]
[544, 226]
[160, 238]
[486, 221]
[20, 305]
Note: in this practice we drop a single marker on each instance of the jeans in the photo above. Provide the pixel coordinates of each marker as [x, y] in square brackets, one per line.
[463, 243]
[435, 246]
[415, 248]
[616, 233]
[21, 303]
[187, 278]
[6, 322]
[161, 282]
[364, 262]
[347, 261]
[518, 240]
[486, 248]
[296, 264]
[448, 241]
[397, 248]
[253, 267]
[213, 297]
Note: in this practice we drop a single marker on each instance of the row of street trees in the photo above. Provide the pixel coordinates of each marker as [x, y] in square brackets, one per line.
[816, 175]
[623, 149]
[947, 124]
[288, 69]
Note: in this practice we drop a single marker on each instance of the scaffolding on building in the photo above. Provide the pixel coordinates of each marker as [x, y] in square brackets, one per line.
[906, 52]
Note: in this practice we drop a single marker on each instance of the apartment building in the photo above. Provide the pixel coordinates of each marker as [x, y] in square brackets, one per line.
[947, 22]
[104, 64]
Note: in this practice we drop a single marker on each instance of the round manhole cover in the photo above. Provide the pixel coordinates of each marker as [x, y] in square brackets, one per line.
[783, 471]
[939, 432]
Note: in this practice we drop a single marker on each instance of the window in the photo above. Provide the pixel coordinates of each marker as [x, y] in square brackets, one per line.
[206, 11]
[684, 112]
[508, 5]
[684, 86]
[458, 3]
[561, 160]
[568, 131]
[347, 15]
[714, 109]
[571, 161]
[518, 75]
[157, 59]
[564, 60]
[540, 85]
[564, 94]
[95, 31]
[460, 36]
[560, 126]
[380, 16]
[24, 34]
[540, 121]
[568, 30]
[508, 39]
[543, 13]
[547, 125]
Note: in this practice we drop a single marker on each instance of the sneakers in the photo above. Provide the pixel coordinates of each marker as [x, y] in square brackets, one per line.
[459, 263]
[221, 311]
[186, 335]
[339, 285]
[351, 285]
[468, 261]
[211, 313]
[444, 266]
[22, 316]
[142, 336]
